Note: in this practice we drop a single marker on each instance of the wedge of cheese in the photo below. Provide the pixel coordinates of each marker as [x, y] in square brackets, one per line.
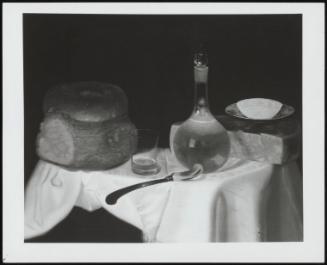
[274, 142]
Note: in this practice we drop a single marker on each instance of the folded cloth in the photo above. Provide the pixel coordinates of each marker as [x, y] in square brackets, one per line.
[50, 195]
[53, 191]
[227, 205]
[243, 201]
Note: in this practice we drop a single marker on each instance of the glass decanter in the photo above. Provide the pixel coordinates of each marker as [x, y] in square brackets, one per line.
[201, 139]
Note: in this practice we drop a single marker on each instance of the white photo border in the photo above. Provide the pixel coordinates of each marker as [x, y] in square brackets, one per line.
[311, 250]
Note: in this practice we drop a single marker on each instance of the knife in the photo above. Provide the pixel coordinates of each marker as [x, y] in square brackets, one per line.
[179, 176]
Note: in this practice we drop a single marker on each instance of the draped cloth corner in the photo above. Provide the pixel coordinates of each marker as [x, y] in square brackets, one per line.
[49, 198]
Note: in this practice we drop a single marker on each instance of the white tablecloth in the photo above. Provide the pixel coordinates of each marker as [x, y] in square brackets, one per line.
[243, 201]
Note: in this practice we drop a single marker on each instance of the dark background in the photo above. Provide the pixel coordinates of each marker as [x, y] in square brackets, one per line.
[150, 58]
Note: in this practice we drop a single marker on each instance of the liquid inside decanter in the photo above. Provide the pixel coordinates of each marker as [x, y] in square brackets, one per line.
[202, 139]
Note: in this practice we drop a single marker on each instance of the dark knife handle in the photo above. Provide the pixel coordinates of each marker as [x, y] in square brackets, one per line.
[113, 197]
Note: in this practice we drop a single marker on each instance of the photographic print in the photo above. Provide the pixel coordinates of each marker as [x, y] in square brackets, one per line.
[90, 80]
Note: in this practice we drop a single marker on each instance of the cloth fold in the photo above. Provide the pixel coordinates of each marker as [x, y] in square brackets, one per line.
[49, 197]
[239, 202]
[222, 206]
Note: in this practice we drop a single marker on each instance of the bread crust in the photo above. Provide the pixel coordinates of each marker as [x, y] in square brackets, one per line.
[87, 101]
[86, 126]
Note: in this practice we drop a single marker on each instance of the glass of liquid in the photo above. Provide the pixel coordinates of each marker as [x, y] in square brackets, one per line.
[144, 160]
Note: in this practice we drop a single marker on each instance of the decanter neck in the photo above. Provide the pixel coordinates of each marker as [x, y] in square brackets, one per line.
[201, 69]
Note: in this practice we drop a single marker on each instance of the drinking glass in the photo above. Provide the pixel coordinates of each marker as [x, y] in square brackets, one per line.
[144, 160]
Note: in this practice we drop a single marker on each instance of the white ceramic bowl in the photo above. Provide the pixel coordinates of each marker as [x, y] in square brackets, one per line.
[259, 108]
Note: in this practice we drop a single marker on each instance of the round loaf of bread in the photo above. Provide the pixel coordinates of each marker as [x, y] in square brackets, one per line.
[86, 126]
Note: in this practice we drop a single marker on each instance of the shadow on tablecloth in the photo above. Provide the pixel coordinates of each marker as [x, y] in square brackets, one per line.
[82, 226]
